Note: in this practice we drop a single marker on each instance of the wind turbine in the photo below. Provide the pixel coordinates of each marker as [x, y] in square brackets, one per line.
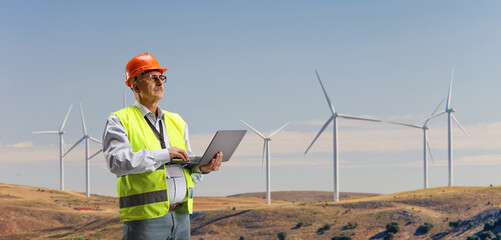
[266, 150]
[449, 110]
[426, 143]
[59, 132]
[334, 119]
[86, 137]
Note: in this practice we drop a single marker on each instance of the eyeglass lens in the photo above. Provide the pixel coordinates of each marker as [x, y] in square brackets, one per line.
[155, 78]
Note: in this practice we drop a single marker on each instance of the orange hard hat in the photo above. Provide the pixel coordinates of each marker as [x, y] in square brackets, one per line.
[141, 63]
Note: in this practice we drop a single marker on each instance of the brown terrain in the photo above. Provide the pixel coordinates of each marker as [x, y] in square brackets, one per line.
[40, 213]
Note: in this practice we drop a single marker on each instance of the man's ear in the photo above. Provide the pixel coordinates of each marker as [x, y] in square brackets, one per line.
[135, 88]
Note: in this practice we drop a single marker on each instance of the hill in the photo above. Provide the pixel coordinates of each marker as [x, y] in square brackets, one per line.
[39, 213]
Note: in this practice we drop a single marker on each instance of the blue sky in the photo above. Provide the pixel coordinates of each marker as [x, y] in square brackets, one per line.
[256, 61]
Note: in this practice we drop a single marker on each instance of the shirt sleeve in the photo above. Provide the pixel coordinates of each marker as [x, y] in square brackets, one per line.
[119, 156]
[196, 174]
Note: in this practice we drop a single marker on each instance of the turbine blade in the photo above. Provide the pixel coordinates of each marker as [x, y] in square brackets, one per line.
[326, 96]
[460, 126]
[46, 132]
[358, 118]
[74, 145]
[429, 149]
[64, 146]
[93, 155]
[254, 130]
[405, 124]
[434, 116]
[433, 113]
[83, 120]
[320, 132]
[95, 140]
[450, 91]
[66, 118]
[278, 130]
[436, 109]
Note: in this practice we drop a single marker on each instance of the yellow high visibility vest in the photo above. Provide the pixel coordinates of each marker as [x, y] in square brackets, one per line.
[144, 195]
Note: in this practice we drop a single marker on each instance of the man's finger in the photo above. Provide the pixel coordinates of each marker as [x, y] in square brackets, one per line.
[185, 155]
[176, 152]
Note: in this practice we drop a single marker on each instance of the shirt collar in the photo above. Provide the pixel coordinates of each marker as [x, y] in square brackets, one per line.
[145, 112]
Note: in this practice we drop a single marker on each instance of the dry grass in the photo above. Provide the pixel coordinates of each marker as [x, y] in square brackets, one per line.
[37, 213]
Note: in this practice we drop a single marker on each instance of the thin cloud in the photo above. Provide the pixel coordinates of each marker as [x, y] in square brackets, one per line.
[28, 152]
[479, 160]
[287, 147]
[20, 144]
[238, 161]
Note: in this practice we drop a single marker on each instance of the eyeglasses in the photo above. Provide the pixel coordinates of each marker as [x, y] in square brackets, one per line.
[155, 78]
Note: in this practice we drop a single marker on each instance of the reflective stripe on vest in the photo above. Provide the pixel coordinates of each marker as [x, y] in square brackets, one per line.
[142, 199]
[144, 196]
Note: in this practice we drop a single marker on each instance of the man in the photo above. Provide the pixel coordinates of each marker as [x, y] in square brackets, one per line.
[144, 145]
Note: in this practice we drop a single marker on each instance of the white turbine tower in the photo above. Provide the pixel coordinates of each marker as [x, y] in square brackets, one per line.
[426, 143]
[125, 99]
[86, 137]
[266, 150]
[334, 119]
[59, 132]
[449, 110]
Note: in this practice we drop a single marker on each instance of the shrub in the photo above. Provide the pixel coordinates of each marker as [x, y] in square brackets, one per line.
[342, 237]
[456, 224]
[471, 224]
[489, 225]
[473, 237]
[392, 227]
[350, 225]
[326, 227]
[498, 237]
[282, 235]
[498, 222]
[78, 238]
[389, 236]
[242, 238]
[487, 235]
[425, 228]
[298, 225]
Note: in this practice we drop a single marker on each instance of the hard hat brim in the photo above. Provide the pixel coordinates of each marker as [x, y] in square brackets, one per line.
[161, 70]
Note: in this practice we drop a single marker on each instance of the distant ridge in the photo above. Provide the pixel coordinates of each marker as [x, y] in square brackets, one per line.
[304, 196]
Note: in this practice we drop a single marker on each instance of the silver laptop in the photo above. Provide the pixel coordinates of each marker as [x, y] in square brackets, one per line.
[225, 141]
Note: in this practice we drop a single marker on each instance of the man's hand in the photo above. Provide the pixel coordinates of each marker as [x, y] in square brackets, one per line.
[213, 165]
[178, 153]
